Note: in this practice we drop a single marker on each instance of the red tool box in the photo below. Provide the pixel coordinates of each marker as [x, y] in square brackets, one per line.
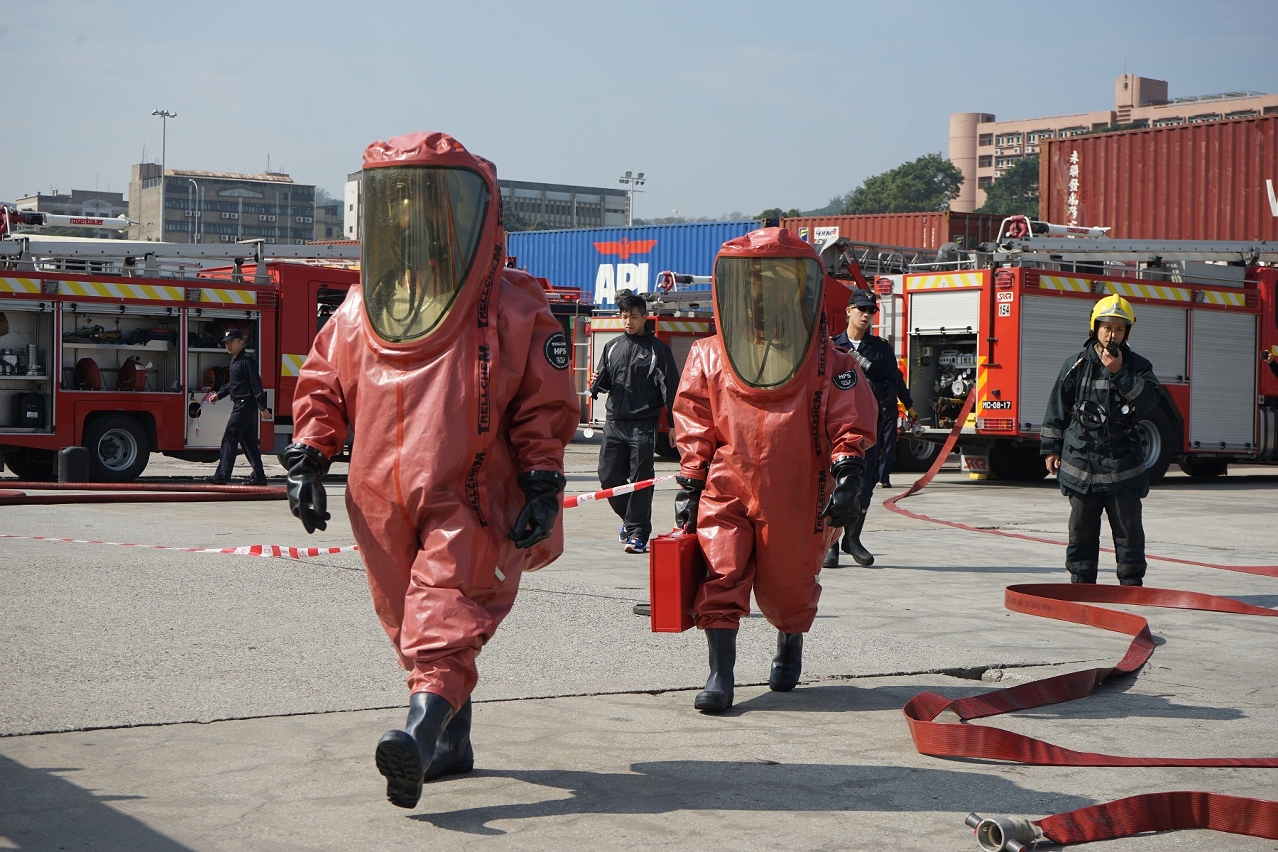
[676, 568]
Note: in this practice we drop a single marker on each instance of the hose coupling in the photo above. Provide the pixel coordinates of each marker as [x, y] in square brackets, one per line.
[1003, 834]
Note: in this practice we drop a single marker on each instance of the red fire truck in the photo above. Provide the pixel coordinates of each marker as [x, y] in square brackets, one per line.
[1002, 320]
[114, 345]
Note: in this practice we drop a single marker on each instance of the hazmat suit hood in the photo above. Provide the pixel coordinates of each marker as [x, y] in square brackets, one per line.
[767, 305]
[432, 242]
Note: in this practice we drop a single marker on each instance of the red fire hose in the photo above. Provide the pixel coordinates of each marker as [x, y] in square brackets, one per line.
[1069, 602]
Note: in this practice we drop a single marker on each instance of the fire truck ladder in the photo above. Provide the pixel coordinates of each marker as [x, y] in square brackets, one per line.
[37, 253]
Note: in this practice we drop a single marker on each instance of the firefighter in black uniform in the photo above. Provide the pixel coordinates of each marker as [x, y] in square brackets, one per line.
[244, 387]
[1090, 441]
[639, 374]
[878, 361]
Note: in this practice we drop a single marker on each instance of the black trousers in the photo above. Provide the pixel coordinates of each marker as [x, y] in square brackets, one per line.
[626, 455]
[1083, 553]
[876, 466]
[241, 431]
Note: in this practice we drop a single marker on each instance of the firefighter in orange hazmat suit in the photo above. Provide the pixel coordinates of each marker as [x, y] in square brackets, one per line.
[454, 373]
[771, 423]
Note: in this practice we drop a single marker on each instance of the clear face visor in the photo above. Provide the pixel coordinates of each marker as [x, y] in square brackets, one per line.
[421, 230]
[766, 309]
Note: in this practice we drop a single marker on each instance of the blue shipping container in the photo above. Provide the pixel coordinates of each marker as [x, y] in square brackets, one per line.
[601, 261]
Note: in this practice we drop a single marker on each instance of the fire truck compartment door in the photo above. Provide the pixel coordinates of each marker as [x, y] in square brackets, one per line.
[951, 311]
[1161, 335]
[205, 431]
[1052, 329]
[1222, 391]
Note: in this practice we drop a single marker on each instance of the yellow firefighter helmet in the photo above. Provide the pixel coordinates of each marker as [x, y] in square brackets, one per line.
[1114, 308]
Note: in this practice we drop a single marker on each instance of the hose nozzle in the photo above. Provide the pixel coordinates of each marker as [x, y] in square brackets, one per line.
[1003, 834]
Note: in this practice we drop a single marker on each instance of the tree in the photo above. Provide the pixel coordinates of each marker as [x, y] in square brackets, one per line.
[778, 213]
[1015, 193]
[929, 183]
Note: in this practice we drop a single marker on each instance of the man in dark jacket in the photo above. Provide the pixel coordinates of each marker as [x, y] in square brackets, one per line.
[1091, 442]
[878, 361]
[244, 387]
[638, 373]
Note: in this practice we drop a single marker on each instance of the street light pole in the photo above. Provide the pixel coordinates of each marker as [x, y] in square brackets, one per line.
[632, 182]
[164, 115]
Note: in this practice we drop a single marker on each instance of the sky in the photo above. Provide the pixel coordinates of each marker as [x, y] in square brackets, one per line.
[725, 106]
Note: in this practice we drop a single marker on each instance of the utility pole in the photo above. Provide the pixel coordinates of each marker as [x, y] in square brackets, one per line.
[164, 115]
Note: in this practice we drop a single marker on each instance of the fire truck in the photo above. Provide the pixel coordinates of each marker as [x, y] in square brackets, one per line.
[1001, 321]
[114, 345]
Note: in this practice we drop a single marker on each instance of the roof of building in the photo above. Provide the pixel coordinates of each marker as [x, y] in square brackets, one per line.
[268, 177]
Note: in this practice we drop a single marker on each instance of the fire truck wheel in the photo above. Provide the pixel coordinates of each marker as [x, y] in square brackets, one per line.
[1016, 464]
[1157, 435]
[665, 446]
[1204, 467]
[914, 456]
[33, 465]
[118, 449]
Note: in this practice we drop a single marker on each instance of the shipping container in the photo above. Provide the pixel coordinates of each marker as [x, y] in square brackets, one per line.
[908, 230]
[1213, 181]
[601, 261]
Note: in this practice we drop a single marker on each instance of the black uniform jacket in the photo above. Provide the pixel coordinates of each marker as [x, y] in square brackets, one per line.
[639, 375]
[243, 381]
[1103, 454]
[878, 361]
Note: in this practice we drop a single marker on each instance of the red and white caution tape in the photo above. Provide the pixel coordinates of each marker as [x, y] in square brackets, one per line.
[263, 550]
[280, 551]
[576, 500]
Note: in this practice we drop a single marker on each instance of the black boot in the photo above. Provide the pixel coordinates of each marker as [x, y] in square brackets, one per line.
[717, 695]
[787, 665]
[405, 756]
[1082, 573]
[831, 559]
[852, 540]
[453, 754]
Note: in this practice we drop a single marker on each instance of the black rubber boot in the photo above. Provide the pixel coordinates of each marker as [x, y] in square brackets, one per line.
[717, 695]
[453, 754]
[852, 540]
[1131, 575]
[831, 559]
[787, 665]
[405, 756]
[1079, 573]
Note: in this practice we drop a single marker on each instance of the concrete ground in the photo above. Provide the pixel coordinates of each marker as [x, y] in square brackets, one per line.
[160, 700]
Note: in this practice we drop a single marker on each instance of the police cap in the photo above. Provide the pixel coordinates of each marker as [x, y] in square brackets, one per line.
[231, 334]
[866, 300]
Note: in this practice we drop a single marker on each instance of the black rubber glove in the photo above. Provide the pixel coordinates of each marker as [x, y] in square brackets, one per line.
[542, 503]
[687, 501]
[306, 497]
[842, 506]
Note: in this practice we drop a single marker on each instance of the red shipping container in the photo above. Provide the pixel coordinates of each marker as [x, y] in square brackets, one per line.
[1210, 181]
[676, 569]
[907, 230]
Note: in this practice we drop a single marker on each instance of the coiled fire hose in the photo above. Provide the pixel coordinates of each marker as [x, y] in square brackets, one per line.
[1068, 602]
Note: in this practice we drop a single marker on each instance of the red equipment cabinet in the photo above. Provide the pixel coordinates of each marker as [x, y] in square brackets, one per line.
[67, 301]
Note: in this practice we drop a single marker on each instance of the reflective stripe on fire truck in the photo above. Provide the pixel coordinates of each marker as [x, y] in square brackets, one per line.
[291, 365]
[233, 297]
[1069, 285]
[948, 281]
[1150, 291]
[1224, 297]
[19, 285]
[120, 290]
